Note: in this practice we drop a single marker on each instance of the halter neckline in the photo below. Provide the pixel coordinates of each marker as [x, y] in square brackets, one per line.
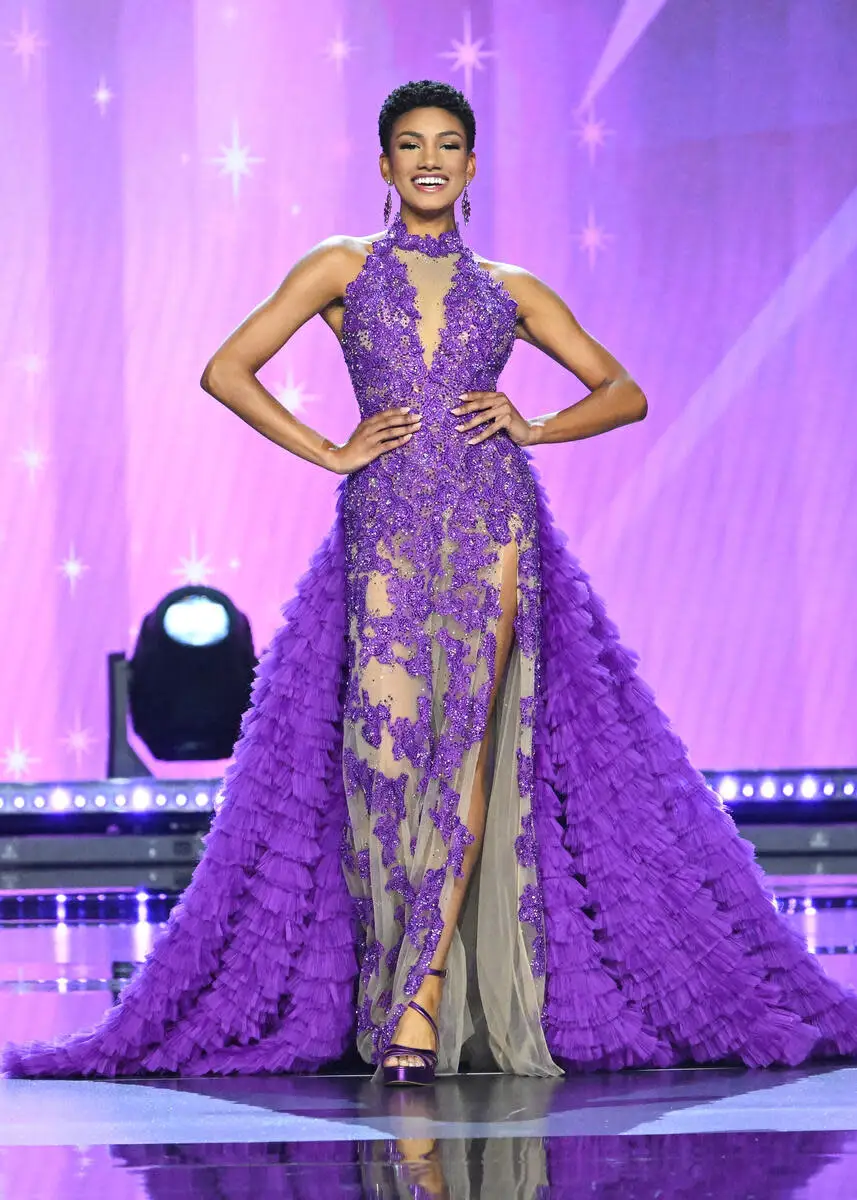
[448, 242]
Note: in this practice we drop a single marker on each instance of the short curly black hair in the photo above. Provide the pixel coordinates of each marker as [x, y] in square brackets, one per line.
[425, 93]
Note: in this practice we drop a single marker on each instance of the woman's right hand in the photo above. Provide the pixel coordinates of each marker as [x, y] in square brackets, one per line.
[374, 436]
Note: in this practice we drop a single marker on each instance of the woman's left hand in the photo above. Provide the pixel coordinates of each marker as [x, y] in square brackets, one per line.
[497, 409]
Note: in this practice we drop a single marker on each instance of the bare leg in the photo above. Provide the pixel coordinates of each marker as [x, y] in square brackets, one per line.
[413, 1030]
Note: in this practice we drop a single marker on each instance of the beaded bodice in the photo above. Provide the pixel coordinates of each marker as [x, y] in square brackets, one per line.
[423, 323]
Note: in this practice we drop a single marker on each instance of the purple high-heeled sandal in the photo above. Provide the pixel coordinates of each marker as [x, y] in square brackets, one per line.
[409, 1075]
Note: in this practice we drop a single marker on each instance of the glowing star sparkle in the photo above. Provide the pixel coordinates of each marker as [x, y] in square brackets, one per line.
[194, 568]
[25, 44]
[102, 95]
[73, 568]
[79, 741]
[593, 239]
[235, 160]
[292, 396]
[16, 760]
[33, 459]
[592, 134]
[467, 55]
[339, 50]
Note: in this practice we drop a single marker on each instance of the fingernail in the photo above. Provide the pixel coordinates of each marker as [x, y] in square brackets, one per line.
[406, 408]
[463, 396]
[459, 428]
[456, 411]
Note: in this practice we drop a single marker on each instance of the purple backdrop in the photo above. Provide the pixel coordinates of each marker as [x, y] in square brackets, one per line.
[682, 173]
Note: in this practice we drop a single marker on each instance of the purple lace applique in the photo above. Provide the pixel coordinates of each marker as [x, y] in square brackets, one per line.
[424, 525]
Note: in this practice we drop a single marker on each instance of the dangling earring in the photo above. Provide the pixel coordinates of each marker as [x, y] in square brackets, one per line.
[388, 203]
[465, 203]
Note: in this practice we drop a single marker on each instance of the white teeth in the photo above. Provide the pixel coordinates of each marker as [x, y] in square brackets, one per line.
[429, 179]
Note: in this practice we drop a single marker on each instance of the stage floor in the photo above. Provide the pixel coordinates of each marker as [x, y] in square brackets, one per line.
[707, 1132]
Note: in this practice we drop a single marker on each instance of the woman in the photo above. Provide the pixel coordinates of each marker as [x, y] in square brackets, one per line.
[451, 788]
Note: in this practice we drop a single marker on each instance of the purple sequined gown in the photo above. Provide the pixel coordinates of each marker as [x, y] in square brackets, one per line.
[616, 919]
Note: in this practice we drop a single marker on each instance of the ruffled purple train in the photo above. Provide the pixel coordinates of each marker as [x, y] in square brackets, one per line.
[663, 945]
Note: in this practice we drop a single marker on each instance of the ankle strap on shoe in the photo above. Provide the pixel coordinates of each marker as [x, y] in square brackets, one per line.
[419, 1008]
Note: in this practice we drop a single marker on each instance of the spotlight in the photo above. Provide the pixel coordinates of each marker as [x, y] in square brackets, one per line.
[60, 800]
[768, 789]
[788, 789]
[728, 787]
[141, 799]
[848, 789]
[190, 677]
[808, 787]
[828, 789]
[747, 789]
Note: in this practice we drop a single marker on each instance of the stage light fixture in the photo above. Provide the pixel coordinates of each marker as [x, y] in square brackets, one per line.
[191, 674]
[768, 789]
[141, 799]
[728, 788]
[848, 789]
[747, 789]
[829, 789]
[788, 789]
[808, 788]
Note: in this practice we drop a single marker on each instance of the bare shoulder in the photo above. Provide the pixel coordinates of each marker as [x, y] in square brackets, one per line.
[521, 284]
[526, 289]
[340, 257]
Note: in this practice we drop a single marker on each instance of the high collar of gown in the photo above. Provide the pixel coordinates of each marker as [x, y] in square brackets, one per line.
[448, 242]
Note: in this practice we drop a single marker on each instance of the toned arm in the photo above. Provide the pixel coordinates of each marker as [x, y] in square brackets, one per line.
[316, 280]
[545, 321]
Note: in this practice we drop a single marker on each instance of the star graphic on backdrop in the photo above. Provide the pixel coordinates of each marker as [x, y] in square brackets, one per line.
[102, 95]
[292, 396]
[339, 50]
[467, 55]
[234, 564]
[25, 43]
[592, 238]
[79, 741]
[592, 133]
[194, 568]
[16, 760]
[73, 568]
[235, 160]
[33, 460]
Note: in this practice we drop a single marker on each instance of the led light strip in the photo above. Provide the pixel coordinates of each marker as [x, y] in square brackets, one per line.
[114, 795]
[131, 795]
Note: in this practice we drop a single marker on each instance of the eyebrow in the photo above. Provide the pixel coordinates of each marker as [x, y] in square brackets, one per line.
[413, 133]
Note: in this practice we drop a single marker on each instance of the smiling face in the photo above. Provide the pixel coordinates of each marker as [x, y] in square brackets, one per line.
[428, 161]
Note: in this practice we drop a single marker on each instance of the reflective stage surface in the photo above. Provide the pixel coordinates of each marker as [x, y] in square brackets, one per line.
[707, 1132]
